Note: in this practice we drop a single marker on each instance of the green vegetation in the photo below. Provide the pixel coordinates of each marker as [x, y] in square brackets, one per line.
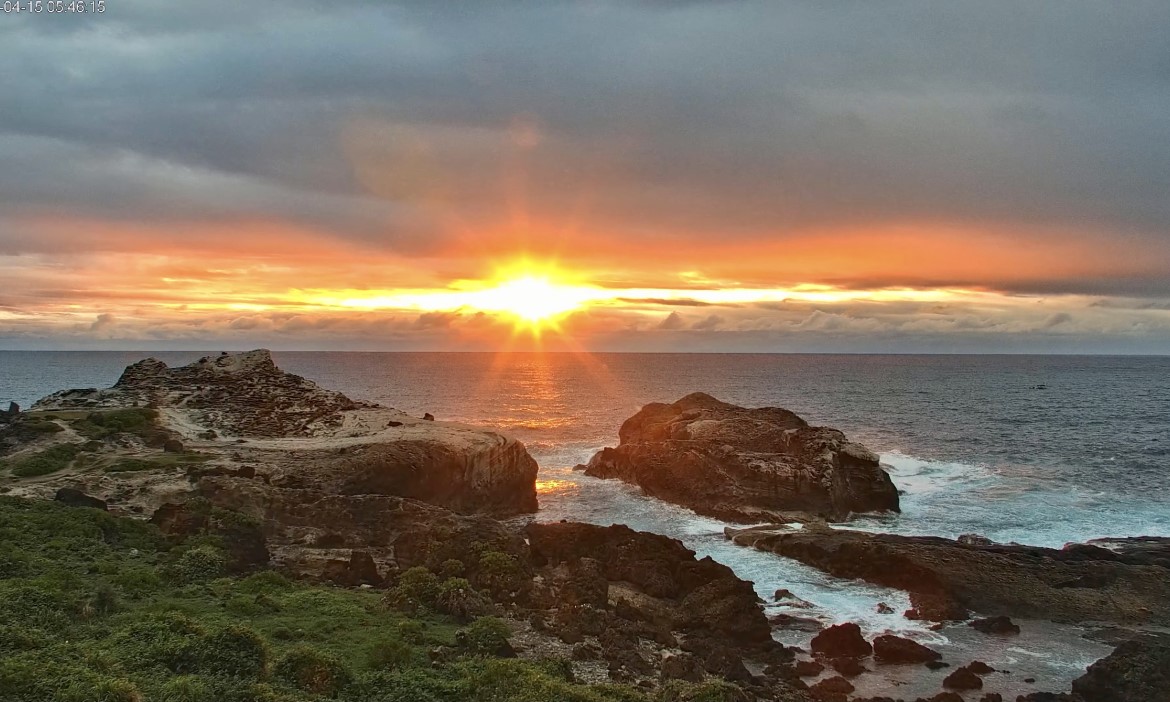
[95, 608]
[136, 420]
[50, 460]
[155, 462]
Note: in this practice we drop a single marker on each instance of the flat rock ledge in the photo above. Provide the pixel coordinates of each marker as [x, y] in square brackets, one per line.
[744, 465]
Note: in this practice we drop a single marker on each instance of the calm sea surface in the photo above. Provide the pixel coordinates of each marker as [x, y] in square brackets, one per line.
[1036, 449]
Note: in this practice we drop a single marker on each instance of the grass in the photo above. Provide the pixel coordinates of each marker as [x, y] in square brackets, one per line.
[96, 608]
[155, 462]
[44, 462]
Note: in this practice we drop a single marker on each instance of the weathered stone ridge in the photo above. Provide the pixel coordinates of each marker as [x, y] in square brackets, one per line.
[746, 465]
[242, 394]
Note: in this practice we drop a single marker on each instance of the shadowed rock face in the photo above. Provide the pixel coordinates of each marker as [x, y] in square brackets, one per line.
[946, 578]
[745, 465]
[699, 596]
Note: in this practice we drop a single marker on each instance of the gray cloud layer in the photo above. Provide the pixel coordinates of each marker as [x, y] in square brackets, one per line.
[380, 122]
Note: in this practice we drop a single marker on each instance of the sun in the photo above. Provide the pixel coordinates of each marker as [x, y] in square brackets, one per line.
[531, 298]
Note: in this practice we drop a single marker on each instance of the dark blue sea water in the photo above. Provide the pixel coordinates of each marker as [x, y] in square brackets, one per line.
[1035, 449]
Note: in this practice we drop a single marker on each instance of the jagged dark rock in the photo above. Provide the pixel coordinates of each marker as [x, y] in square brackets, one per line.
[895, 649]
[946, 580]
[1137, 671]
[841, 640]
[673, 588]
[963, 679]
[746, 465]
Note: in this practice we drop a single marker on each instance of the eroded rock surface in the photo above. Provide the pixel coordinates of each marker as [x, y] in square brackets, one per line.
[746, 465]
[240, 412]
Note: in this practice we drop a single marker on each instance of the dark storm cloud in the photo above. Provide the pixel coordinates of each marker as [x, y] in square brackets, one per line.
[738, 120]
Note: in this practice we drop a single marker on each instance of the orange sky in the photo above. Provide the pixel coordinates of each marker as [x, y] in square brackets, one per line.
[700, 177]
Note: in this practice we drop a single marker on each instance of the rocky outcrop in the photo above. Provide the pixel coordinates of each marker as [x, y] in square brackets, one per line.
[947, 579]
[241, 394]
[308, 530]
[1138, 671]
[236, 412]
[747, 465]
[664, 582]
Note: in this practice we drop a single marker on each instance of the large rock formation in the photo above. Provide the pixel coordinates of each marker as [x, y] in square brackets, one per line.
[1138, 671]
[701, 596]
[746, 465]
[946, 579]
[240, 411]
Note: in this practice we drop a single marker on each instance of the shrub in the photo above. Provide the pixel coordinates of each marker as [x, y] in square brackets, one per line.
[500, 574]
[485, 636]
[101, 603]
[102, 689]
[170, 640]
[264, 582]
[199, 564]
[457, 598]
[709, 691]
[186, 688]
[50, 460]
[416, 590]
[412, 632]
[137, 582]
[236, 651]
[390, 654]
[312, 671]
[451, 568]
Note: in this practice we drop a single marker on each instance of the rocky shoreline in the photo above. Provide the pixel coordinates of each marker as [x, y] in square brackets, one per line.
[332, 490]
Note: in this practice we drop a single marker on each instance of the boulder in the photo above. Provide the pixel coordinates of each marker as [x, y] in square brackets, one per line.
[895, 649]
[682, 666]
[746, 465]
[840, 641]
[963, 679]
[995, 625]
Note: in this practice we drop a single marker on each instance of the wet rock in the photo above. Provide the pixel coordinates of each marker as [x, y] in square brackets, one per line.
[946, 579]
[785, 596]
[963, 679]
[995, 625]
[77, 498]
[842, 640]
[980, 668]
[1137, 671]
[895, 649]
[428, 417]
[991, 697]
[937, 665]
[974, 540]
[746, 465]
[787, 621]
[883, 608]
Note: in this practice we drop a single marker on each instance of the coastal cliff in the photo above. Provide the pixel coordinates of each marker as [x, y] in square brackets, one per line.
[241, 412]
[744, 465]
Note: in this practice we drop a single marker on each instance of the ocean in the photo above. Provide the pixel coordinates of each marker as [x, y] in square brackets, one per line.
[1040, 450]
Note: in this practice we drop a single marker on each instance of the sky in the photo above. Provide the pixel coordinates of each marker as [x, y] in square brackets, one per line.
[695, 175]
